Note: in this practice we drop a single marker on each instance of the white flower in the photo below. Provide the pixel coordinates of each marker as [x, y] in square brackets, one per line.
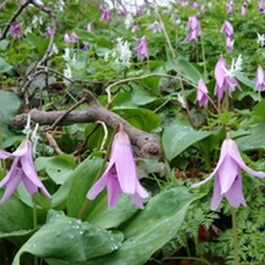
[122, 53]
[236, 67]
[66, 55]
[67, 73]
[261, 39]
[128, 21]
[181, 101]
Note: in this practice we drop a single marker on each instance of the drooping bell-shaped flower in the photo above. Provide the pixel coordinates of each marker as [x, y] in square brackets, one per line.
[106, 13]
[261, 6]
[67, 38]
[228, 178]
[227, 29]
[230, 6]
[225, 80]
[48, 31]
[22, 168]
[155, 27]
[229, 44]
[195, 29]
[16, 31]
[260, 79]
[141, 48]
[202, 93]
[244, 9]
[121, 174]
[74, 37]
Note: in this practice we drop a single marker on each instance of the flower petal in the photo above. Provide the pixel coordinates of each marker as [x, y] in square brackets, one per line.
[217, 197]
[114, 192]
[22, 149]
[12, 172]
[137, 200]
[4, 154]
[31, 188]
[235, 195]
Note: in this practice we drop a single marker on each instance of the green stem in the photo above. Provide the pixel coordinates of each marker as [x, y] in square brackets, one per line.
[2, 162]
[35, 224]
[234, 227]
[99, 174]
[204, 59]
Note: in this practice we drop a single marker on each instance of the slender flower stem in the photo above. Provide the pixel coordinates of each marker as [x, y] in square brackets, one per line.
[100, 172]
[236, 257]
[2, 162]
[204, 59]
[35, 223]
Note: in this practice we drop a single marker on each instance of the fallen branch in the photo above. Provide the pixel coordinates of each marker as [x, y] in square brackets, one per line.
[148, 143]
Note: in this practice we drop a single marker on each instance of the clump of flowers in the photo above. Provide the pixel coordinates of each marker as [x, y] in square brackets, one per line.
[228, 31]
[16, 31]
[106, 13]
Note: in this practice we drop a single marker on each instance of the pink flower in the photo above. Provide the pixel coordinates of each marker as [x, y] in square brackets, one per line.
[48, 32]
[229, 44]
[195, 29]
[106, 14]
[121, 174]
[260, 79]
[230, 7]
[261, 6]
[156, 27]
[23, 170]
[74, 37]
[141, 49]
[16, 31]
[67, 38]
[202, 94]
[244, 9]
[227, 29]
[228, 179]
[225, 81]
[89, 27]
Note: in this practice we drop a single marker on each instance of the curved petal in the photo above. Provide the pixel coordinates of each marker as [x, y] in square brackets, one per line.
[235, 195]
[31, 188]
[125, 163]
[217, 197]
[12, 172]
[4, 154]
[141, 191]
[137, 200]
[228, 172]
[11, 186]
[114, 192]
[98, 186]
[22, 149]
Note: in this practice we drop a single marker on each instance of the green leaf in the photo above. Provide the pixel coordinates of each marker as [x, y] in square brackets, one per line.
[255, 140]
[9, 105]
[141, 95]
[177, 137]
[40, 43]
[4, 66]
[62, 193]
[143, 119]
[258, 111]
[69, 239]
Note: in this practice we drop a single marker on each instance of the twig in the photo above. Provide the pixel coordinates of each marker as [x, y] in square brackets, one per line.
[3, 4]
[53, 144]
[105, 134]
[13, 18]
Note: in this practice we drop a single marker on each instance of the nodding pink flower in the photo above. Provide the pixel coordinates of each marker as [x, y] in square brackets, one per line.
[260, 79]
[225, 80]
[16, 31]
[22, 170]
[228, 178]
[121, 174]
[194, 5]
[184, 4]
[195, 29]
[229, 44]
[89, 27]
[156, 27]
[67, 38]
[202, 94]
[227, 29]
[74, 37]
[261, 6]
[244, 9]
[202, 8]
[141, 49]
[140, 10]
[230, 7]
[106, 14]
[86, 46]
[48, 32]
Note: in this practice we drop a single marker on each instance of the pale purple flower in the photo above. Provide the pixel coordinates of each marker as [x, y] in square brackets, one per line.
[156, 27]
[106, 14]
[86, 45]
[141, 49]
[121, 174]
[22, 170]
[230, 7]
[260, 79]
[244, 9]
[74, 37]
[227, 29]
[229, 44]
[194, 5]
[16, 31]
[140, 10]
[184, 4]
[202, 93]
[225, 81]
[67, 38]
[48, 32]
[195, 29]
[228, 179]
[261, 6]
[202, 8]
[89, 27]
